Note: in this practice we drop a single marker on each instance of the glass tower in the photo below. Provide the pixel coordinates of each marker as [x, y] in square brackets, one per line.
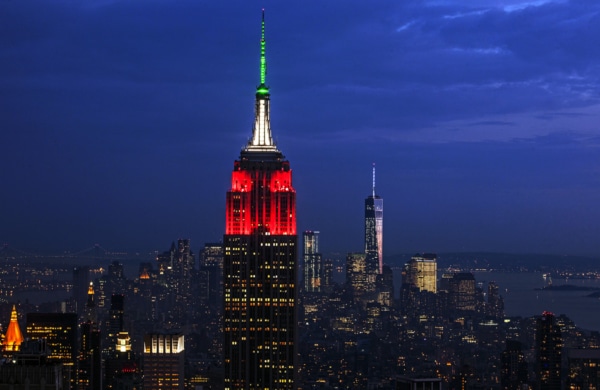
[259, 264]
[374, 233]
[313, 264]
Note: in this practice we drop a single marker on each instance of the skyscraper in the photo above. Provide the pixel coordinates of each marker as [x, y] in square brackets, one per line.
[548, 352]
[259, 320]
[313, 264]
[421, 272]
[59, 332]
[374, 233]
[163, 361]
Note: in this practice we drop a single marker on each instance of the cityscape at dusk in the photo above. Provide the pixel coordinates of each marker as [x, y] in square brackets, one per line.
[413, 205]
[120, 119]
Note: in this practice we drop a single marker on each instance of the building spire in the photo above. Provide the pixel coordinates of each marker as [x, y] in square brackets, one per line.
[14, 337]
[373, 180]
[263, 59]
[262, 140]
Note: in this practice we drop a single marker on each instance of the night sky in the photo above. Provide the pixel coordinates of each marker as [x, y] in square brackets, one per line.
[120, 120]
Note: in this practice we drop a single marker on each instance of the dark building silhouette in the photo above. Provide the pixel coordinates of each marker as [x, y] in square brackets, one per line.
[122, 369]
[115, 323]
[384, 286]
[211, 263]
[548, 352]
[495, 303]
[29, 369]
[514, 367]
[584, 369]
[90, 358]
[59, 332]
[260, 261]
[81, 281]
[89, 368]
[462, 291]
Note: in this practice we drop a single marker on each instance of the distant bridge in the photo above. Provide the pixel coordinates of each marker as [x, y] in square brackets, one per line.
[95, 252]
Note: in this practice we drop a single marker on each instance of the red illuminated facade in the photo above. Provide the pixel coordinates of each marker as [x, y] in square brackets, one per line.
[259, 264]
[261, 197]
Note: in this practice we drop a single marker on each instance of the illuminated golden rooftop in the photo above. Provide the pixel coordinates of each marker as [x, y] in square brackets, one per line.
[14, 337]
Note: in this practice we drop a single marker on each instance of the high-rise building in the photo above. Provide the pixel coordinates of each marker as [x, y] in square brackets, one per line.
[59, 331]
[29, 369]
[211, 263]
[89, 370]
[513, 375]
[356, 275]
[313, 262]
[462, 291]
[260, 245]
[374, 233]
[163, 361]
[116, 322]
[548, 352]
[584, 369]
[495, 303]
[81, 281]
[121, 367]
[421, 272]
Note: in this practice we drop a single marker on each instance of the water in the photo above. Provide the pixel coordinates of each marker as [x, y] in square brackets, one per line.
[521, 298]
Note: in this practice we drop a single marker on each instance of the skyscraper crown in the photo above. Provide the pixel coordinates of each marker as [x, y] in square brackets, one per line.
[262, 140]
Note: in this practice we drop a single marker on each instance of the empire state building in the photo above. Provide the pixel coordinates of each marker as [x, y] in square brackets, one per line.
[259, 320]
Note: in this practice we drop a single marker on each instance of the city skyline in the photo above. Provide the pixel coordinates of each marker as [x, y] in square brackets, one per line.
[480, 119]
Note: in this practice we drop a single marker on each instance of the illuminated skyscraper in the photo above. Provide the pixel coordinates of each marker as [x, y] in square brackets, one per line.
[163, 361]
[259, 320]
[421, 272]
[374, 233]
[313, 262]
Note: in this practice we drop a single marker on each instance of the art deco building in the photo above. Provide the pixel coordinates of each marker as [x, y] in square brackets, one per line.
[13, 337]
[374, 233]
[313, 262]
[260, 245]
[89, 370]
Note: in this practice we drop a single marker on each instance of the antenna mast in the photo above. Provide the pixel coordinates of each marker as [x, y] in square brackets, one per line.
[373, 180]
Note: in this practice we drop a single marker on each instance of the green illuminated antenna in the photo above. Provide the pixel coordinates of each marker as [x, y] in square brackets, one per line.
[262, 88]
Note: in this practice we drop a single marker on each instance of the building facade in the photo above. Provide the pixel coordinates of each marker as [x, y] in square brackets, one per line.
[421, 272]
[260, 269]
[548, 353]
[163, 361]
[313, 262]
[374, 233]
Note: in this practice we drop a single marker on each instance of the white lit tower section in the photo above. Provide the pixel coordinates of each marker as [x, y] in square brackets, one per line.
[374, 233]
[259, 262]
[313, 264]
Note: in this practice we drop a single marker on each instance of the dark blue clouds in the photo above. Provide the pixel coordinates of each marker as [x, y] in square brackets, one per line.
[120, 119]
